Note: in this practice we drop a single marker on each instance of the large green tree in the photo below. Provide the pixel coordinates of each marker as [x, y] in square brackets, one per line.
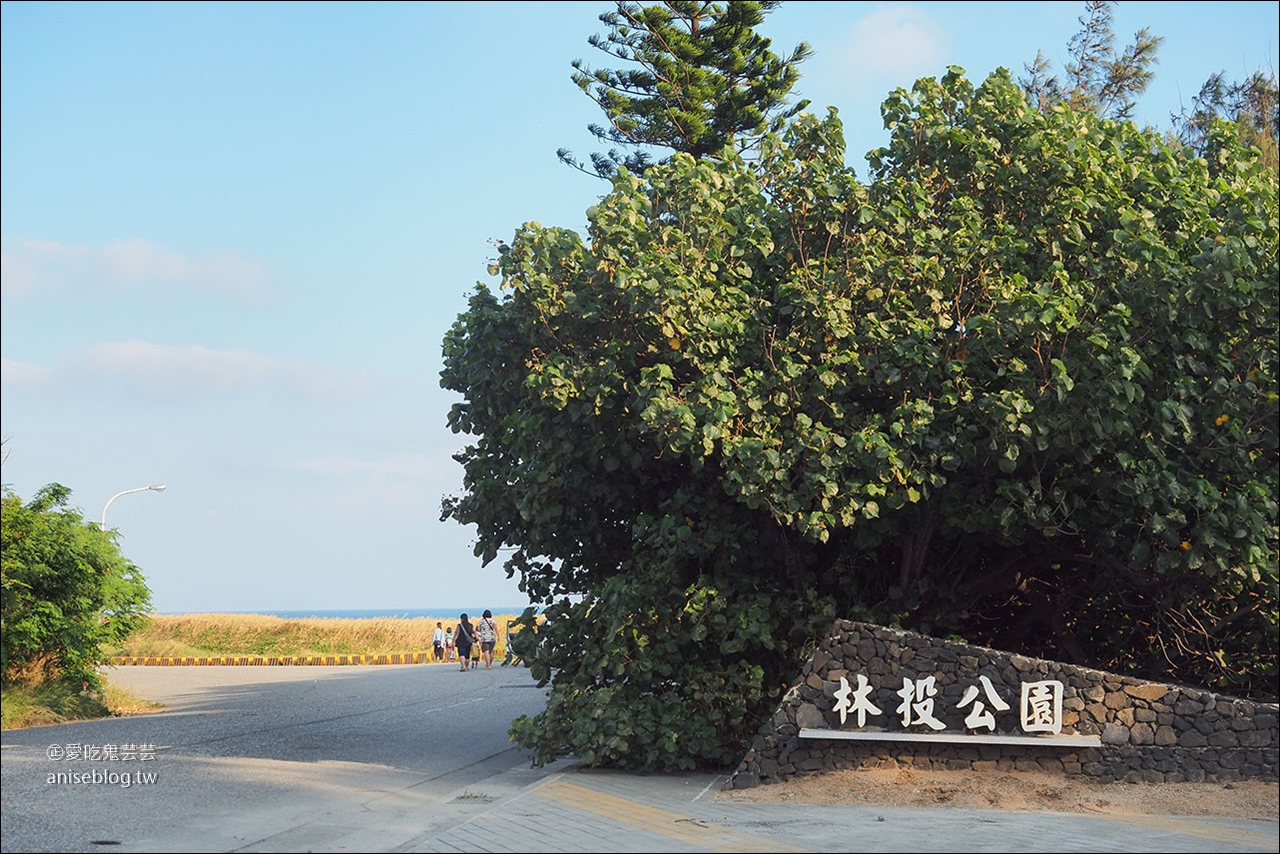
[67, 591]
[1019, 387]
[699, 78]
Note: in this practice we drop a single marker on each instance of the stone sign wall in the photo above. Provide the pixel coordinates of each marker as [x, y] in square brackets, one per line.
[871, 697]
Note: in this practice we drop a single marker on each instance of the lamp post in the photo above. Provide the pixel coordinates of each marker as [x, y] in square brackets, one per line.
[155, 487]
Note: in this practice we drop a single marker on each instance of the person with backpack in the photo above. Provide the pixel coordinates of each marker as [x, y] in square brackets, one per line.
[437, 643]
[487, 631]
[464, 638]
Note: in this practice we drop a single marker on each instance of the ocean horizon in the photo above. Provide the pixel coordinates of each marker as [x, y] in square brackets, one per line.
[364, 613]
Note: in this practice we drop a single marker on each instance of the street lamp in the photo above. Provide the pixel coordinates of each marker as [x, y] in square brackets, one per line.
[155, 487]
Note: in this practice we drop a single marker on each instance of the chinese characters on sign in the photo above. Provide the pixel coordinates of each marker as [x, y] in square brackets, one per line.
[980, 717]
[860, 703]
[1041, 707]
[917, 703]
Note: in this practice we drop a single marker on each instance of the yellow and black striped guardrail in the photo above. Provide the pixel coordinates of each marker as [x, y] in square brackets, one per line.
[271, 660]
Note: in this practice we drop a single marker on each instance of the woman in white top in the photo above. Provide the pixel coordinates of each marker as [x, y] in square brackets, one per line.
[437, 643]
[487, 631]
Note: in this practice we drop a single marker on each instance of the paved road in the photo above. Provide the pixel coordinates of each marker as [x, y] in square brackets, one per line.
[270, 758]
[415, 758]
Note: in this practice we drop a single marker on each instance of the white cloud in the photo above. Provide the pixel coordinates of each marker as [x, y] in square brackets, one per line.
[405, 486]
[167, 371]
[898, 43]
[37, 266]
[164, 368]
[16, 274]
[23, 374]
[413, 466]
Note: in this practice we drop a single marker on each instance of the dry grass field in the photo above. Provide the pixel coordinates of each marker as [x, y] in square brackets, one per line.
[203, 635]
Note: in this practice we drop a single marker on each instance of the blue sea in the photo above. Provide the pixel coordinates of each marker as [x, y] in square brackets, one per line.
[371, 613]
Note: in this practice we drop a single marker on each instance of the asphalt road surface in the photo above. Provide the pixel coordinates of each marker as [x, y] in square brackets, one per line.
[362, 758]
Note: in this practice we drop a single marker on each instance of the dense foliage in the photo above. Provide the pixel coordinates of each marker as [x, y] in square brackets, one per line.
[67, 591]
[1252, 104]
[1019, 388]
[697, 77]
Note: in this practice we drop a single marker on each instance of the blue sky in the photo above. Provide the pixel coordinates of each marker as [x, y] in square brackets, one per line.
[235, 234]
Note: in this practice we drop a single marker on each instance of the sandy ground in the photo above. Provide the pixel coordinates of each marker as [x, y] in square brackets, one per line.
[1023, 791]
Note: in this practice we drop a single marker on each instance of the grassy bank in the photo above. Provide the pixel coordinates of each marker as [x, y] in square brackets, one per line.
[58, 703]
[203, 635]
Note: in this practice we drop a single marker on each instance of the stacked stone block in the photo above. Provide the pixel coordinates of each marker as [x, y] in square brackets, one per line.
[1149, 731]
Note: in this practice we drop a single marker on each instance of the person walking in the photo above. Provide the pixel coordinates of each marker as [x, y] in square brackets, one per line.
[449, 654]
[437, 643]
[487, 631]
[464, 638]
